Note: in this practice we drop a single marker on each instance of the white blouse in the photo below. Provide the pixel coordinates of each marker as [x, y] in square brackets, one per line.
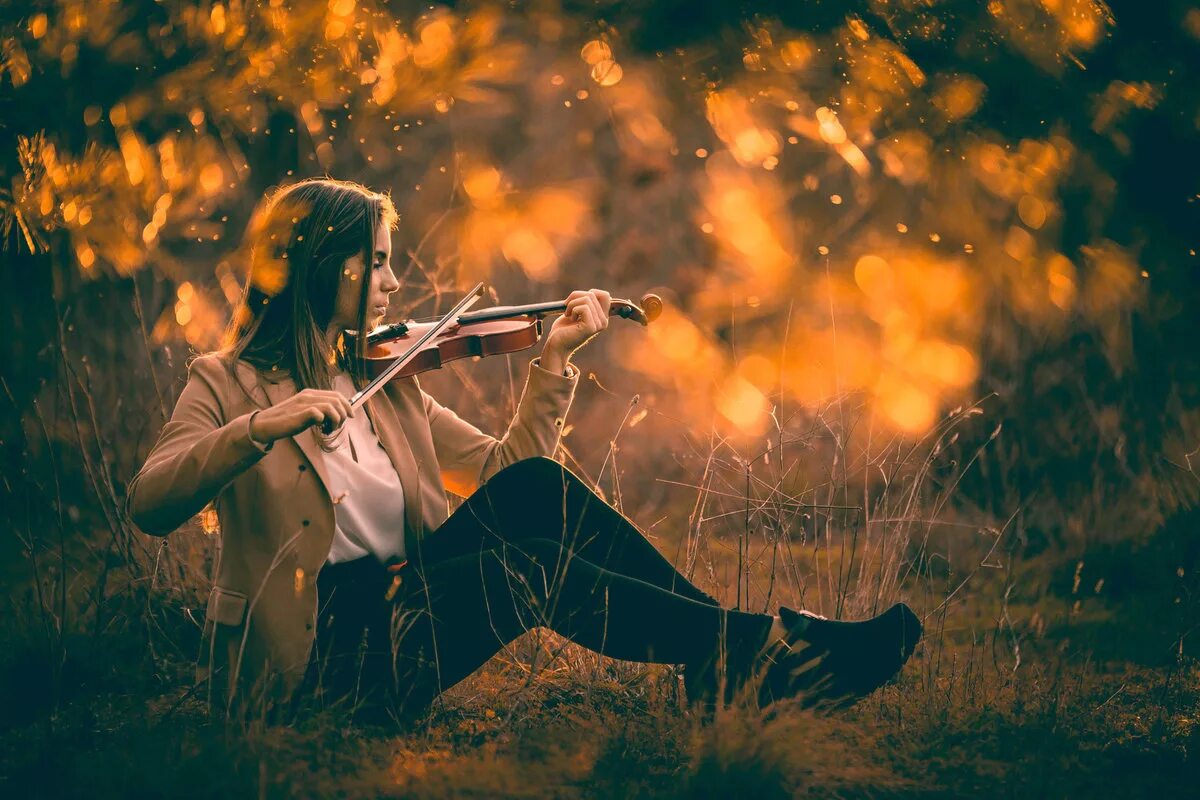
[368, 499]
[365, 487]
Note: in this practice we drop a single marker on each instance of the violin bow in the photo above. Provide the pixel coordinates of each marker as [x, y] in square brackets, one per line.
[649, 310]
[381, 380]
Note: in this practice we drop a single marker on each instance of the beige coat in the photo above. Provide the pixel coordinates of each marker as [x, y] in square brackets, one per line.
[276, 516]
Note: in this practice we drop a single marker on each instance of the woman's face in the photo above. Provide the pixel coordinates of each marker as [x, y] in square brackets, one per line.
[382, 283]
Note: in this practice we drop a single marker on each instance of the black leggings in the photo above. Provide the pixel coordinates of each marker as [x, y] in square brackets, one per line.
[532, 547]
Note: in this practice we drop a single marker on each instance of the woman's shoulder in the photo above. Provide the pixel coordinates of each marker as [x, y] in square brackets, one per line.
[227, 375]
[218, 362]
[226, 361]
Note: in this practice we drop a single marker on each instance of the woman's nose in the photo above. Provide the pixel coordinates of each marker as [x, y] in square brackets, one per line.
[390, 282]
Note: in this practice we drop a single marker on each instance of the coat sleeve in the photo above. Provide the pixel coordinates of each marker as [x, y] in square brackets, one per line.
[197, 453]
[467, 456]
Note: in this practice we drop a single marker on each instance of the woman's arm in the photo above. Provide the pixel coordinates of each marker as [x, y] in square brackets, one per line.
[467, 456]
[196, 455]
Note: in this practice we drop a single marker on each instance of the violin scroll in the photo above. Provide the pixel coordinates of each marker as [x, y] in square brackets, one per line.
[647, 312]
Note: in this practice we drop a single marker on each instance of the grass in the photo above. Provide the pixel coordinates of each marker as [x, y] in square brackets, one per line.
[1061, 673]
[1125, 733]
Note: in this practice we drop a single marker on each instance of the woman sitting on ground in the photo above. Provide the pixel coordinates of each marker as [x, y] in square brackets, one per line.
[341, 573]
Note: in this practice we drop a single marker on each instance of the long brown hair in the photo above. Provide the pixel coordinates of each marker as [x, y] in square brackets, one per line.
[298, 241]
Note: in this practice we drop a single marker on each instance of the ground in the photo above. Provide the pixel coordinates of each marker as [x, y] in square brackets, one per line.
[1031, 682]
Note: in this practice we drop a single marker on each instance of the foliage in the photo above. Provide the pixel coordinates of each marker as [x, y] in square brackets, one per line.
[930, 272]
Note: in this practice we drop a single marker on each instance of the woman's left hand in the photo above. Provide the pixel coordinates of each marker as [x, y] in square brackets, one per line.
[585, 316]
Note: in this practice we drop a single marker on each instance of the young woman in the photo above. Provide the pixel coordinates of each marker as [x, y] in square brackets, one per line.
[341, 574]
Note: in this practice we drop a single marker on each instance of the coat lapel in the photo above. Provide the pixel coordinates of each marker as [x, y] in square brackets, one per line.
[307, 440]
[390, 431]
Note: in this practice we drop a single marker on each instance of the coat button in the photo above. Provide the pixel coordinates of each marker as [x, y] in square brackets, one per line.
[305, 523]
[303, 467]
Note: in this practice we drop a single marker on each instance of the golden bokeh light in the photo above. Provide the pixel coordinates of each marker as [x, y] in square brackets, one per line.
[734, 122]
[908, 406]
[741, 403]
[482, 185]
[532, 252]
[834, 211]
[596, 51]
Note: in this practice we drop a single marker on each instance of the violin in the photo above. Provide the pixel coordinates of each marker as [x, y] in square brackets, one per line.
[477, 334]
[404, 349]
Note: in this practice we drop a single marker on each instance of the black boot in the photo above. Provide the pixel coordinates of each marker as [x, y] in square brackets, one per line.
[834, 663]
[703, 683]
[719, 678]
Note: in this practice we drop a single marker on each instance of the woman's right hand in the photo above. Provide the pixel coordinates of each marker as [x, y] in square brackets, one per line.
[299, 413]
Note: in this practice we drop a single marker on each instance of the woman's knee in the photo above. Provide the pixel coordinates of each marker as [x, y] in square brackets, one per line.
[539, 472]
[534, 498]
